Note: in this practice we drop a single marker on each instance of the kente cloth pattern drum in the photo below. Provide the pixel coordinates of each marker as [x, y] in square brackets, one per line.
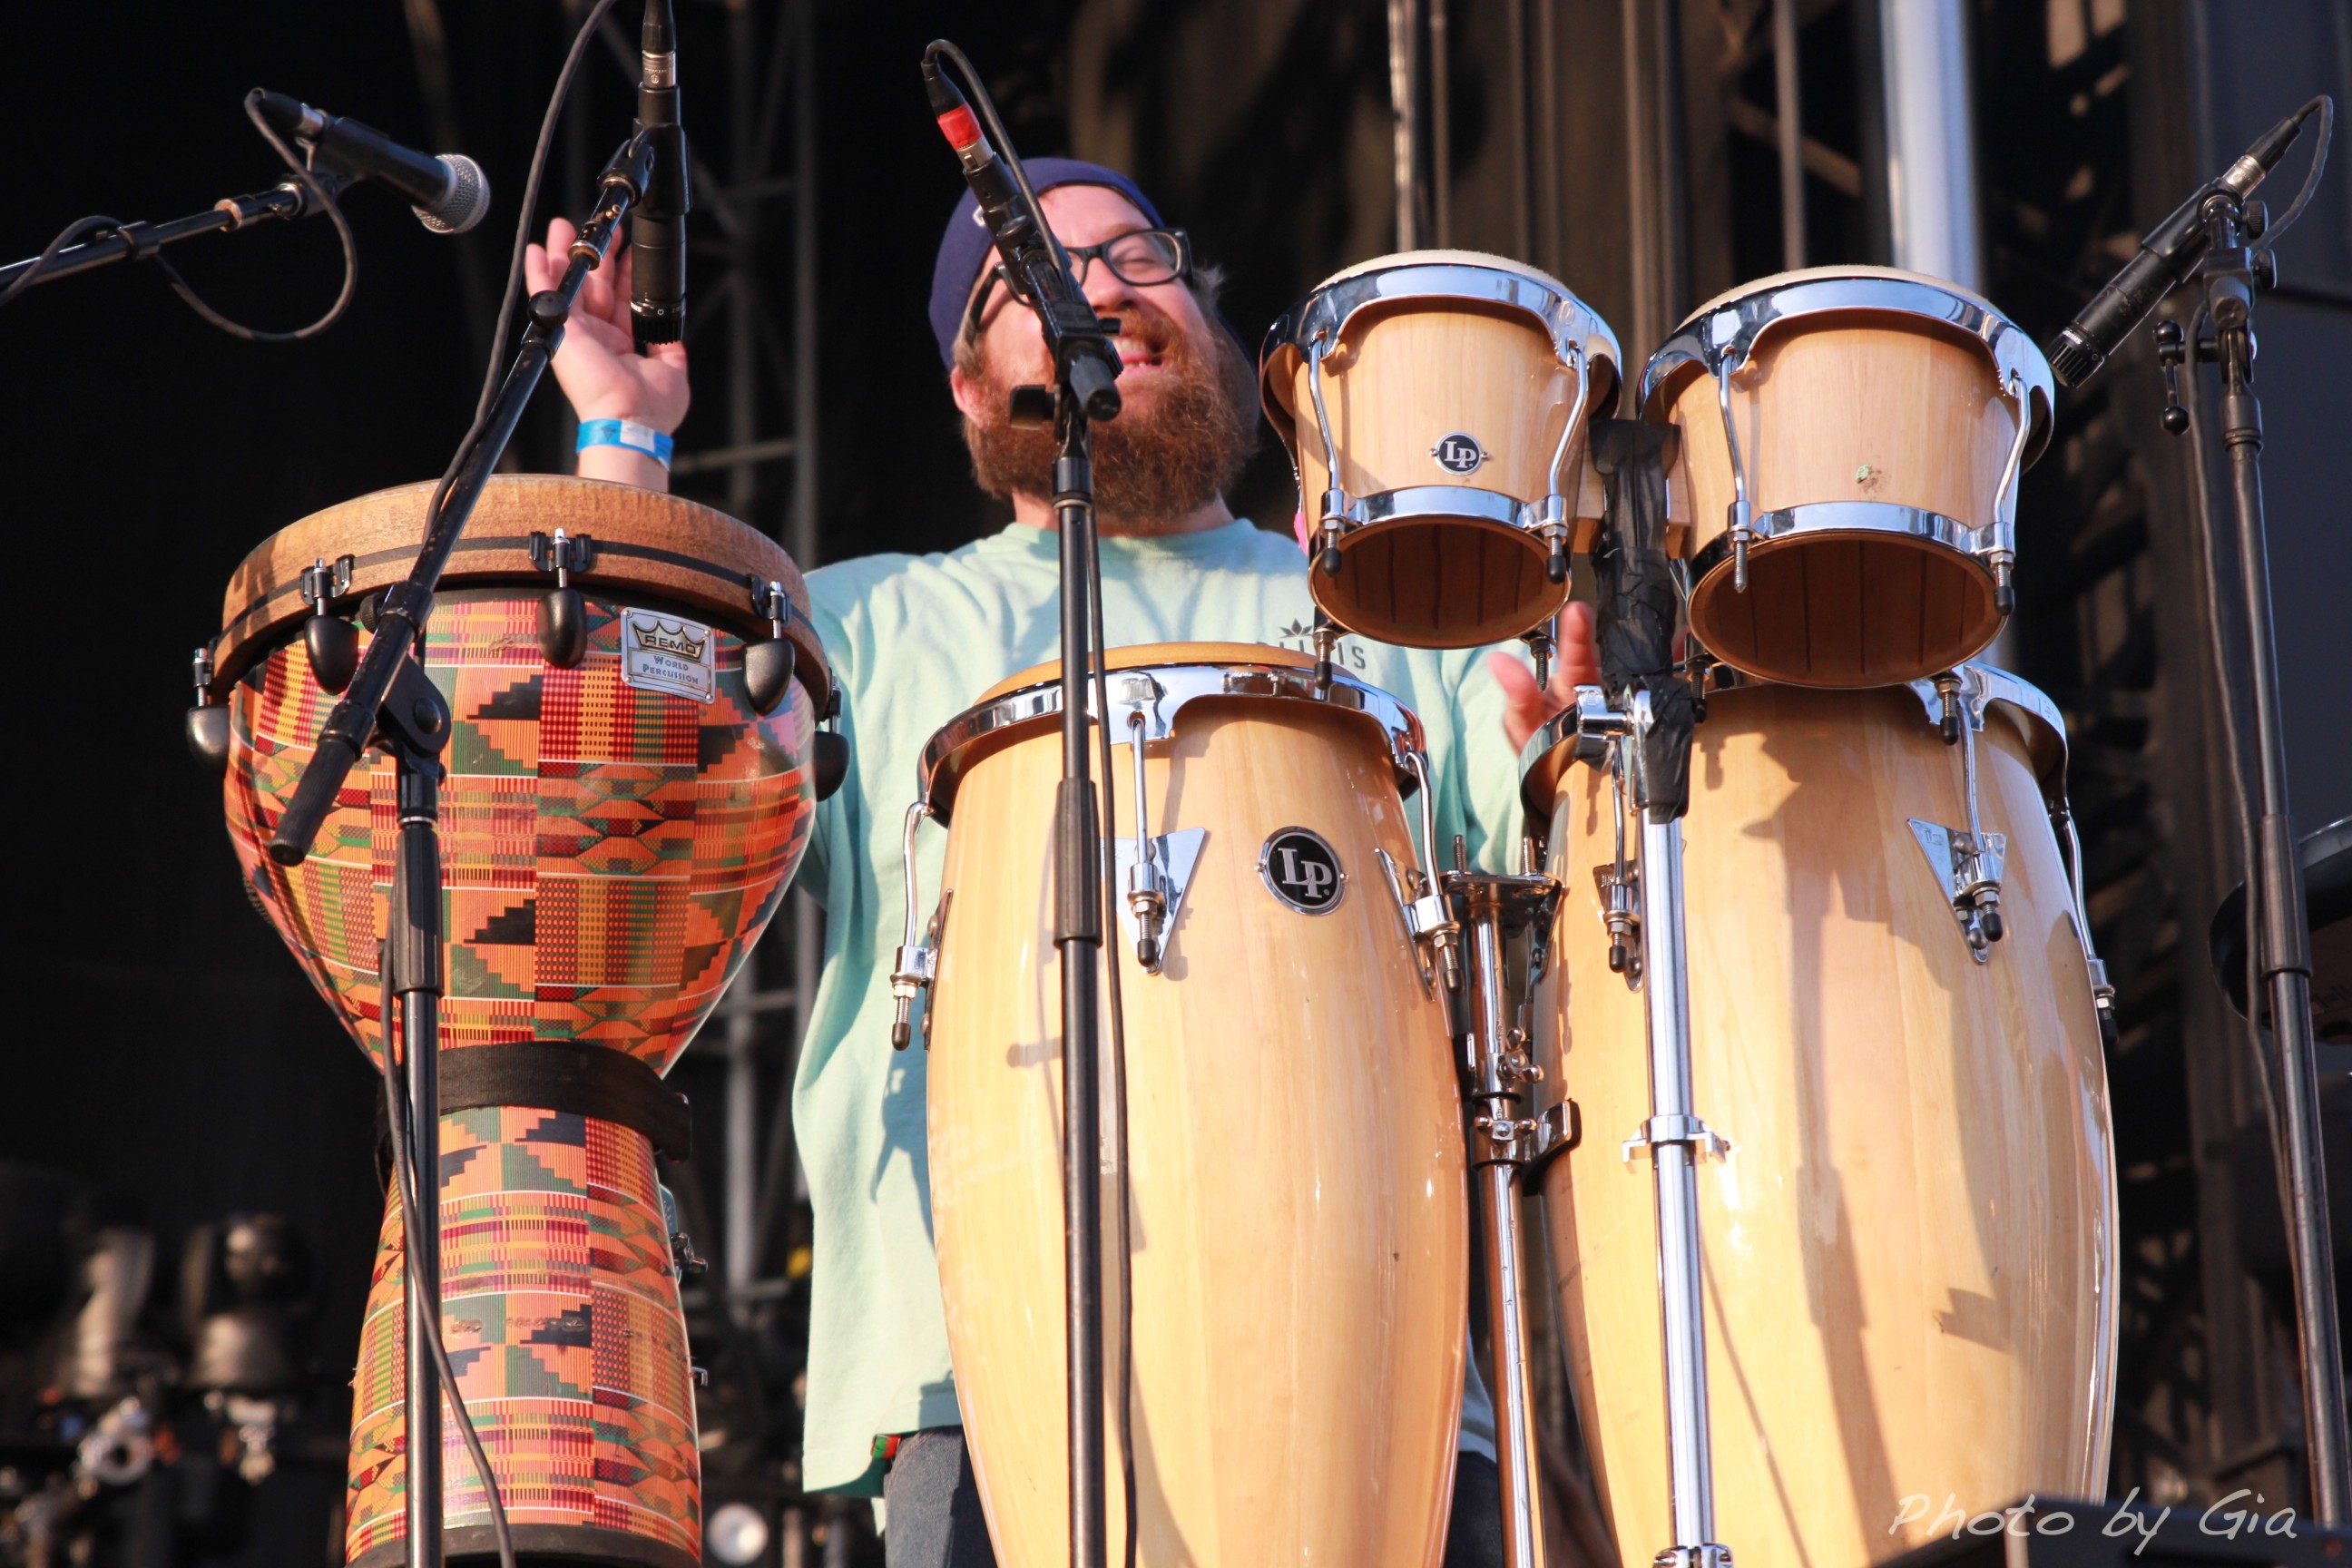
[610, 852]
[561, 1313]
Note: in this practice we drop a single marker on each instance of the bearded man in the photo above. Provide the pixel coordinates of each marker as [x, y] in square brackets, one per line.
[914, 640]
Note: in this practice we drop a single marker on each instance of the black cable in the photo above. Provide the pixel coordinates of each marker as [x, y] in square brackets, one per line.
[1002, 143]
[523, 224]
[2218, 619]
[2326, 107]
[324, 200]
[71, 235]
[318, 197]
[1118, 1028]
[395, 1098]
[403, 1167]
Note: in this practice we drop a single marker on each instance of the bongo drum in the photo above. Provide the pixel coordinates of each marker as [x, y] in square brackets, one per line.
[1455, 388]
[1297, 1215]
[1909, 1251]
[1851, 439]
[617, 830]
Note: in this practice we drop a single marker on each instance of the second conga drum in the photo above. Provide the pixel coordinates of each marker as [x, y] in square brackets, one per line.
[1297, 1216]
[1909, 1250]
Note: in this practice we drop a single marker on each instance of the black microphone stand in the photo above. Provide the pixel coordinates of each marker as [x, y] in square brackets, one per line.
[138, 241]
[2231, 271]
[391, 703]
[1085, 368]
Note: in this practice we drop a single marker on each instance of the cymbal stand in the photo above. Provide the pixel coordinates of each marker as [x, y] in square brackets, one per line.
[1506, 1149]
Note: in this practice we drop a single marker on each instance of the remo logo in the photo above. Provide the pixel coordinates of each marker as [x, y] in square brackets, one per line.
[1302, 870]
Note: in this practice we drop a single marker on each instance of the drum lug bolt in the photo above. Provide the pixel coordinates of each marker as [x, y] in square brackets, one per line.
[917, 964]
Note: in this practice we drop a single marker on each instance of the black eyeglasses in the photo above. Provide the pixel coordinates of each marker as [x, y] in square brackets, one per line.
[1141, 258]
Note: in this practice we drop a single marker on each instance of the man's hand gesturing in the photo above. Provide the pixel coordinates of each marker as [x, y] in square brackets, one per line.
[1576, 662]
[599, 367]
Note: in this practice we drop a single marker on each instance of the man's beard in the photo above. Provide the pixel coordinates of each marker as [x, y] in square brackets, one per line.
[1152, 466]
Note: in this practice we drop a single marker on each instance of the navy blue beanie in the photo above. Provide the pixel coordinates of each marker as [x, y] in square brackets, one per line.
[966, 247]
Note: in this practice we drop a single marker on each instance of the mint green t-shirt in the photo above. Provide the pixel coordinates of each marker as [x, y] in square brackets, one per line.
[914, 640]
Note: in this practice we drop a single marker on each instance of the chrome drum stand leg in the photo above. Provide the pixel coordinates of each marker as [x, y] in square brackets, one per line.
[1676, 1140]
[1506, 1146]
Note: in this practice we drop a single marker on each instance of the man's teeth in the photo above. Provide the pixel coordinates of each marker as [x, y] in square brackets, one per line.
[1134, 350]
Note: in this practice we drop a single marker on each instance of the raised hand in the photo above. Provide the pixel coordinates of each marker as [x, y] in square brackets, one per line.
[599, 368]
[1576, 662]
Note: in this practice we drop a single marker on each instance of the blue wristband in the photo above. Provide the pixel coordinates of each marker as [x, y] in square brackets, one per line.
[625, 433]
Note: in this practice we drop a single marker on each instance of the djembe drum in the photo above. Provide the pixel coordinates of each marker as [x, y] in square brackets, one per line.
[619, 821]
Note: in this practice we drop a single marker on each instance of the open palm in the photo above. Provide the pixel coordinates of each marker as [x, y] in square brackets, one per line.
[598, 366]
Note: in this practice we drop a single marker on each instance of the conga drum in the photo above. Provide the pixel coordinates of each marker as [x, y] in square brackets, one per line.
[1296, 1214]
[1851, 439]
[1909, 1251]
[616, 830]
[1454, 389]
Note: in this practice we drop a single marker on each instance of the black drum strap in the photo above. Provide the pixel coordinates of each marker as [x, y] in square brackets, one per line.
[581, 1080]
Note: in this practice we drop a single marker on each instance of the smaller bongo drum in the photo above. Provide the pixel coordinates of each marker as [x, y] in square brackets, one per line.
[1456, 389]
[1852, 442]
[622, 810]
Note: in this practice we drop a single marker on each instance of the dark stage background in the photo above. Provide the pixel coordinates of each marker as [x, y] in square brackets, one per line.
[175, 1061]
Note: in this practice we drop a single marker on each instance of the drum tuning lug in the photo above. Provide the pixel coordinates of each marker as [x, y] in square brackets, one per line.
[701, 1376]
[768, 666]
[1948, 691]
[333, 644]
[1541, 646]
[2005, 584]
[562, 614]
[208, 725]
[691, 1265]
[917, 964]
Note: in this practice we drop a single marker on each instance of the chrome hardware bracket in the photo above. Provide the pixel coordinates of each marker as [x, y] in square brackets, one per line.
[1150, 902]
[1738, 532]
[563, 553]
[1172, 858]
[1687, 1130]
[1999, 549]
[321, 582]
[1428, 914]
[1335, 520]
[917, 964]
[2103, 991]
[1968, 866]
[1504, 1147]
[1429, 924]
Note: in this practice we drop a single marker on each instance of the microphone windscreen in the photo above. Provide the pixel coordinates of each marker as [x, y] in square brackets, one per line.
[464, 203]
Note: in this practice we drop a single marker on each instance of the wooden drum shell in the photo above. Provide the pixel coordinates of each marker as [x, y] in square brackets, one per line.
[1297, 1205]
[1909, 1257]
[1406, 373]
[1851, 406]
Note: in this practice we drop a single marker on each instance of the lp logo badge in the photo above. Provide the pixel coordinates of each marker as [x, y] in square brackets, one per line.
[1302, 870]
[1459, 453]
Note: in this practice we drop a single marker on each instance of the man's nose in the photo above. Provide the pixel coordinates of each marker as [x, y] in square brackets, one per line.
[1106, 291]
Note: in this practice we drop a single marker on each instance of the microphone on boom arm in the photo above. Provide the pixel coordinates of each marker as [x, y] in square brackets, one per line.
[450, 194]
[2168, 253]
[1078, 339]
[657, 227]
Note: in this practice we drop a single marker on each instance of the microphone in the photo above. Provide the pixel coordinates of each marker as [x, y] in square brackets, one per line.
[450, 194]
[2168, 253]
[1077, 339]
[657, 223]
